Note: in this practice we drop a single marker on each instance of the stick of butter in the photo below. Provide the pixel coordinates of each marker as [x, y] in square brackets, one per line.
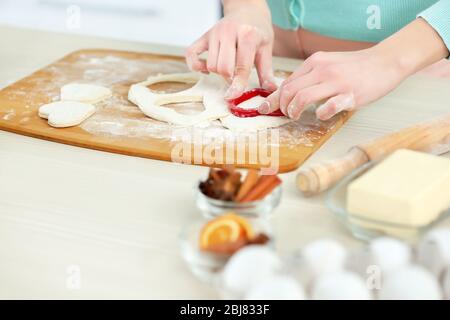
[408, 188]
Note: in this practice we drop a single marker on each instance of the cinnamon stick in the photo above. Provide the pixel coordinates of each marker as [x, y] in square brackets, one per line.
[231, 248]
[277, 181]
[263, 187]
[249, 182]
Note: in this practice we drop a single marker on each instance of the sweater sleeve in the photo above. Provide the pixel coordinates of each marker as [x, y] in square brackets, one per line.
[438, 16]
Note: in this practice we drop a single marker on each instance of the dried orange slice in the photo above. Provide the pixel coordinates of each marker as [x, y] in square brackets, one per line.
[246, 226]
[227, 229]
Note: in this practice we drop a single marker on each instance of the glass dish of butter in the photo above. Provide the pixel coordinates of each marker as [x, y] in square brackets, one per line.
[402, 196]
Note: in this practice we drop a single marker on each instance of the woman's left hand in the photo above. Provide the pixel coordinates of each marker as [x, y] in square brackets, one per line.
[342, 80]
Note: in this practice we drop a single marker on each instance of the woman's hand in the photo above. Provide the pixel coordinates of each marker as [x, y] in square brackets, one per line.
[243, 38]
[340, 80]
[348, 80]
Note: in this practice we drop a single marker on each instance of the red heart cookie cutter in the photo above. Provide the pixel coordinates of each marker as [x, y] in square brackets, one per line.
[248, 113]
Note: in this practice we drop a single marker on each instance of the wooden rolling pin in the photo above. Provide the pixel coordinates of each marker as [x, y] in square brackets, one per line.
[432, 136]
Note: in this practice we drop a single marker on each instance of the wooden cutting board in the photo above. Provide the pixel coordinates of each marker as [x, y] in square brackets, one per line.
[119, 126]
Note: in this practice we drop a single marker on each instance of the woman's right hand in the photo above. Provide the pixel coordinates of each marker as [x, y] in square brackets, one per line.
[243, 38]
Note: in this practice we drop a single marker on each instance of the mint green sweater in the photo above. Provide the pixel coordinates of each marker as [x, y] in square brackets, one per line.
[360, 20]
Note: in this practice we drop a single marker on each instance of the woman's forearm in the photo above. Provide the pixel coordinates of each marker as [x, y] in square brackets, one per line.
[413, 48]
[260, 7]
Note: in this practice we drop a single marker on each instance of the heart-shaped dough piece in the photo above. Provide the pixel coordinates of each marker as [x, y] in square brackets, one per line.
[62, 114]
[81, 92]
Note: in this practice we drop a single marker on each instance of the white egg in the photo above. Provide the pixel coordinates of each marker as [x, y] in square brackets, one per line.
[344, 285]
[388, 254]
[446, 284]
[248, 267]
[320, 257]
[276, 287]
[410, 283]
[433, 252]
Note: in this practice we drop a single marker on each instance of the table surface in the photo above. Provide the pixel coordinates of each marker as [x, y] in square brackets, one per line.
[78, 223]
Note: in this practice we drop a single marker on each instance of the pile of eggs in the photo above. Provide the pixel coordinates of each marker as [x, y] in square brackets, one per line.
[385, 269]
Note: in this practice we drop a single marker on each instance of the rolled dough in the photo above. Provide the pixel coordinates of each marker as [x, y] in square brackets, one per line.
[209, 89]
[62, 114]
[88, 93]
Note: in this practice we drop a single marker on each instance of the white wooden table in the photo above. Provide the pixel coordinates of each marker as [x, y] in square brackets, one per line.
[114, 220]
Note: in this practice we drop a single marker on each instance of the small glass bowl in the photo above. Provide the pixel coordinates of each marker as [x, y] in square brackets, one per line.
[207, 266]
[213, 208]
[367, 229]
